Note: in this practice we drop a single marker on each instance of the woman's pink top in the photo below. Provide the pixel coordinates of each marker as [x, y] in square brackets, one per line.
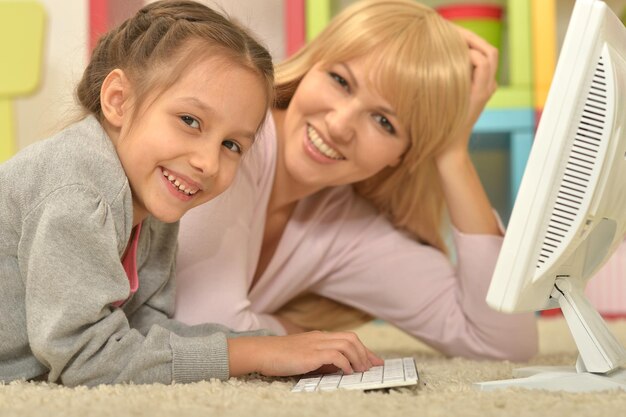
[337, 245]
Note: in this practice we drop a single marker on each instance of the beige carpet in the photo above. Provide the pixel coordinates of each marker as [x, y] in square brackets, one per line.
[447, 390]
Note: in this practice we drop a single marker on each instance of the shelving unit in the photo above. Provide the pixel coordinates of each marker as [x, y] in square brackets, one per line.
[25, 21]
[294, 25]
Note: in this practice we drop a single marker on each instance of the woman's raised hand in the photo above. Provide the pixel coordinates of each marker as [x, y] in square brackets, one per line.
[467, 201]
[484, 60]
[299, 354]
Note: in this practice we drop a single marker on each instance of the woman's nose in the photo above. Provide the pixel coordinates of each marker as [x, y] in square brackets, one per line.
[341, 122]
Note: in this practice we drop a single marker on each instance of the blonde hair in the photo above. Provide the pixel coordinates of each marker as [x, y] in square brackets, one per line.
[421, 66]
[162, 40]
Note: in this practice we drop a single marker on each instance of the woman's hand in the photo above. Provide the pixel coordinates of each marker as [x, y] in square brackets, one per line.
[484, 61]
[299, 354]
[467, 201]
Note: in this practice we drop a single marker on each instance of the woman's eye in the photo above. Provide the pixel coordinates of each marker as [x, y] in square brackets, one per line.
[340, 80]
[385, 123]
[190, 121]
[232, 146]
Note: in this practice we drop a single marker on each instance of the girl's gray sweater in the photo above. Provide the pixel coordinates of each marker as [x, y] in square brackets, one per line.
[65, 220]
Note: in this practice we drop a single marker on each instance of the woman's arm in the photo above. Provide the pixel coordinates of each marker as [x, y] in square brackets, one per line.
[468, 204]
[379, 270]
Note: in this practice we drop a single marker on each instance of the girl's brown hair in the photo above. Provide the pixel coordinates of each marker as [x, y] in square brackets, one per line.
[157, 44]
[420, 64]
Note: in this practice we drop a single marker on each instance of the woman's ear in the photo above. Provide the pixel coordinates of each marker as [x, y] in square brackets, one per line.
[395, 163]
[114, 96]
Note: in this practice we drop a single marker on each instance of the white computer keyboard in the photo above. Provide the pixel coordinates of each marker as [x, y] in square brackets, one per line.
[394, 373]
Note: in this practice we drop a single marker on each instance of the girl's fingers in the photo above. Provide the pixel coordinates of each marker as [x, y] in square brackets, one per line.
[306, 352]
[357, 358]
[374, 360]
[361, 349]
[336, 358]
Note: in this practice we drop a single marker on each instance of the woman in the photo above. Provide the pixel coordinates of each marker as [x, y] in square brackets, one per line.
[363, 161]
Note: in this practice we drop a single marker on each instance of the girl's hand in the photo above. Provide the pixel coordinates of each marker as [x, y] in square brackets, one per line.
[299, 354]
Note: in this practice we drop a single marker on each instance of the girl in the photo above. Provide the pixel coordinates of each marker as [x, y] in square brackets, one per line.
[88, 218]
[364, 156]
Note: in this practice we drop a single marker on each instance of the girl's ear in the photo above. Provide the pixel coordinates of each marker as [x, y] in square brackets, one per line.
[114, 96]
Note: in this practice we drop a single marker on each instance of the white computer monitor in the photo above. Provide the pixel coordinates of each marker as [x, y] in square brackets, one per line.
[570, 211]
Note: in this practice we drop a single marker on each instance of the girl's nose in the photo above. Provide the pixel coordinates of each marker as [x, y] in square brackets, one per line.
[206, 159]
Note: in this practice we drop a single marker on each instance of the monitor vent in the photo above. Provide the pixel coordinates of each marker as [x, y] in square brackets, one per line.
[580, 165]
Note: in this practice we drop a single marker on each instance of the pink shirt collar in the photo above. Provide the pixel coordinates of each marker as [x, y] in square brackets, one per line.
[129, 262]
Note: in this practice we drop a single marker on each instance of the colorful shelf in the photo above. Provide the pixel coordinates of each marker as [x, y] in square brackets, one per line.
[20, 71]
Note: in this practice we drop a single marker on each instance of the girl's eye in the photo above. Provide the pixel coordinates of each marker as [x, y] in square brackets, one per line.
[340, 80]
[384, 122]
[190, 121]
[232, 146]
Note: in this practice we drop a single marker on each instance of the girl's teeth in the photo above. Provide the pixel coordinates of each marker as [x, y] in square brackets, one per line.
[175, 182]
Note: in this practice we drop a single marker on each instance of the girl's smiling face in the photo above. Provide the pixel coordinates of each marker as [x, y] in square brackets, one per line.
[338, 129]
[184, 147]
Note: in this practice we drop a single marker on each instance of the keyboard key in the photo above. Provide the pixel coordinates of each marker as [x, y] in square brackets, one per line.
[394, 373]
[307, 384]
[355, 378]
[410, 373]
[375, 374]
[394, 370]
[329, 382]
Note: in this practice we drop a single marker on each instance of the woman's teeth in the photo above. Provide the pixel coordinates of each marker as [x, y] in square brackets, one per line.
[319, 144]
[181, 187]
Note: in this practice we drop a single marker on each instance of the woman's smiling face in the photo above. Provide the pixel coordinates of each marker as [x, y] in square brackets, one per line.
[338, 129]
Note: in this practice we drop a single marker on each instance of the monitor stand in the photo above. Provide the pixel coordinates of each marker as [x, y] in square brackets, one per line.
[600, 354]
